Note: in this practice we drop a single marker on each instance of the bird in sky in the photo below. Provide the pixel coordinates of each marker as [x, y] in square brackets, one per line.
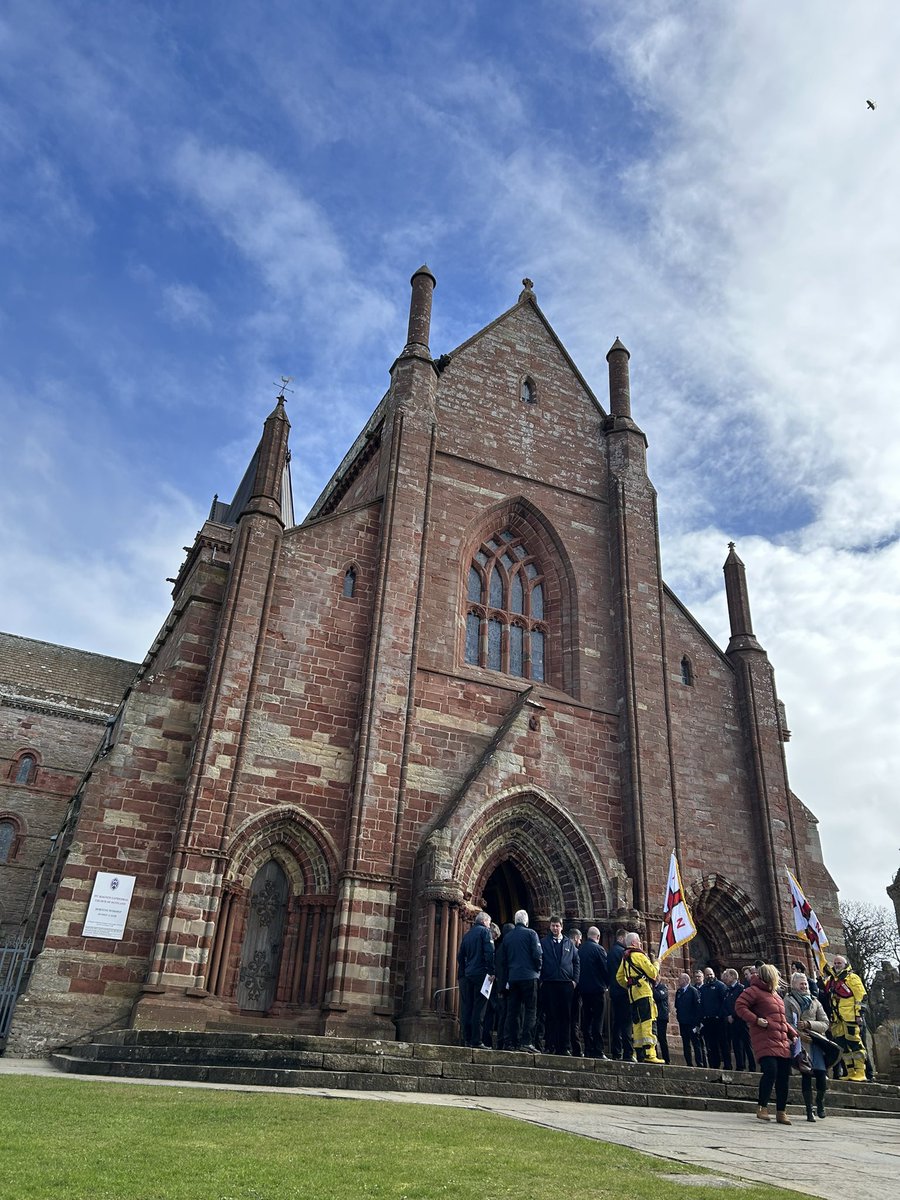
[871, 104]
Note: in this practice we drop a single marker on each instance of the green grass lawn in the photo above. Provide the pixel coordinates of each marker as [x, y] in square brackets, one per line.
[69, 1140]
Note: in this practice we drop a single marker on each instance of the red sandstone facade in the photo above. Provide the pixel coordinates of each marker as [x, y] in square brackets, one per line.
[347, 738]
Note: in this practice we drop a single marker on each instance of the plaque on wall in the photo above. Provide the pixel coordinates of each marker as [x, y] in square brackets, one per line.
[108, 909]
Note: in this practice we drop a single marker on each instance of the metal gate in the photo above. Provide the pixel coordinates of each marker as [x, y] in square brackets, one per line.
[13, 961]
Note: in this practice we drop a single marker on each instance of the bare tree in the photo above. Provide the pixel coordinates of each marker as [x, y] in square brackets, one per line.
[870, 935]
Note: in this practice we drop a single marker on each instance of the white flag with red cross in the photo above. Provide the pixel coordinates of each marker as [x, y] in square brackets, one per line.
[678, 926]
[806, 922]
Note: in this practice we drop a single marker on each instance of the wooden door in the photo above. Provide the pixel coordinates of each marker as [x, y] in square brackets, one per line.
[261, 949]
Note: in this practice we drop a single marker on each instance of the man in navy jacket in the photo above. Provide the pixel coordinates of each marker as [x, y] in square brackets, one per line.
[474, 961]
[522, 966]
[712, 1007]
[736, 1030]
[592, 984]
[687, 1010]
[560, 971]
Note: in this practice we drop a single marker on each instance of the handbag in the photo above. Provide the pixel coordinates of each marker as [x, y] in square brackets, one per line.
[800, 1058]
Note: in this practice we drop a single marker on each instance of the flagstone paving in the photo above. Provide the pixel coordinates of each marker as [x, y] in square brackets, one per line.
[833, 1159]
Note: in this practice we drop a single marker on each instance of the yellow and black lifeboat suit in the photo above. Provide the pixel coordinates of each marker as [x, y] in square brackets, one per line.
[846, 993]
[637, 974]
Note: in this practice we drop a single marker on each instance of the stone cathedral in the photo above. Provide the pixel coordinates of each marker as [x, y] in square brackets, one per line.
[460, 682]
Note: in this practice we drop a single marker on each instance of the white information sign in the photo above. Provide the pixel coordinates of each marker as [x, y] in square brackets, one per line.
[108, 909]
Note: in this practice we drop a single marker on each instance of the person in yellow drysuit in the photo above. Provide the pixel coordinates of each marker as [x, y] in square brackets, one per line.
[637, 975]
[845, 993]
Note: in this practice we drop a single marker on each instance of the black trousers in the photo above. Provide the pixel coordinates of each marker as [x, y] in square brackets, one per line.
[556, 999]
[592, 1023]
[738, 1035]
[662, 1036]
[621, 1026]
[806, 1082]
[775, 1071]
[718, 1051]
[693, 1046]
[471, 1010]
[521, 1013]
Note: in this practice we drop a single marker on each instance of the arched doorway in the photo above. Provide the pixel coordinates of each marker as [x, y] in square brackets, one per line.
[261, 948]
[506, 892]
[730, 929]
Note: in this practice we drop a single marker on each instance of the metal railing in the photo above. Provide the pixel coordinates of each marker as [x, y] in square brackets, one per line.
[13, 962]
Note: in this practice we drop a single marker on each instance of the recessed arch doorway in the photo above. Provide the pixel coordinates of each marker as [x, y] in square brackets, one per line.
[506, 892]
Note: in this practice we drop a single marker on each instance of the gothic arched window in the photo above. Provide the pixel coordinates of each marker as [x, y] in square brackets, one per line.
[687, 672]
[349, 583]
[25, 769]
[505, 628]
[528, 392]
[7, 840]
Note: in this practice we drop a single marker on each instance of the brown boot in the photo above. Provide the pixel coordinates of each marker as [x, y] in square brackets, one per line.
[762, 1114]
[782, 1118]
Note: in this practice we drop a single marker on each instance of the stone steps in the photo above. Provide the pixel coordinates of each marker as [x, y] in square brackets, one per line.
[297, 1060]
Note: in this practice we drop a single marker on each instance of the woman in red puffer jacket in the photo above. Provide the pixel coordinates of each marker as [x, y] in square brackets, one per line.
[771, 1036]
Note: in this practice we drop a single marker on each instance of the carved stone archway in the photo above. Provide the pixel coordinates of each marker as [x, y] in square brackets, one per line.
[560, 867]
[731, 925]
[286, 844]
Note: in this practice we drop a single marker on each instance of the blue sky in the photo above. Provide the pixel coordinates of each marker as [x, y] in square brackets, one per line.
[196, 198]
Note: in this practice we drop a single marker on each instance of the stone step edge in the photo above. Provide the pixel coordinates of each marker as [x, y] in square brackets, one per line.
[394, 1049]
[341, 1048]
[422, 1085]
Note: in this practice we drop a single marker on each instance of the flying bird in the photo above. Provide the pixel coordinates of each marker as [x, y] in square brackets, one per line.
[871, 104]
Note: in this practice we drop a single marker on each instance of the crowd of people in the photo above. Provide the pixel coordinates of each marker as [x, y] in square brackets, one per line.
[565, 994]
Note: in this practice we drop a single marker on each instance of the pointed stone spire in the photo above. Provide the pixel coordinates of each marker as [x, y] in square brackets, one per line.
[271, 455]
[423, 284]
[738, 604]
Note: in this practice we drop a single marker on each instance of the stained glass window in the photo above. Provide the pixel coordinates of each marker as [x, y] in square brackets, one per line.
[537, 602]
[537, 654]
[516, 594]
[475, 584]
[496, 589]
[7, 837]
[495, 644]
[516, 650]
[473, 637]
[25, 769]
[510, 585]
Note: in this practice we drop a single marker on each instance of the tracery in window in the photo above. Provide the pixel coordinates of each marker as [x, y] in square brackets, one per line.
[25, 769]
[505, 614]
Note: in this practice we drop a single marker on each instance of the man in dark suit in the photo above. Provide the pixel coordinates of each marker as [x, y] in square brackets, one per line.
[592, 985]
[713, 994]
[474, 961]
[522, 964]
[687, 1010]
[559, 978]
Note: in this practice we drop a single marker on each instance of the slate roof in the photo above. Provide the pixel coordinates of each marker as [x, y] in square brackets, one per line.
[43, 675]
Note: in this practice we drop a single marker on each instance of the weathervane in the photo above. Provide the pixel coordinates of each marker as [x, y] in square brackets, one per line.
[285, 380]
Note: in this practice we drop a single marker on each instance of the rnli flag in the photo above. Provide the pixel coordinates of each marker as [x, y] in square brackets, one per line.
[806, 922]
[678, 926]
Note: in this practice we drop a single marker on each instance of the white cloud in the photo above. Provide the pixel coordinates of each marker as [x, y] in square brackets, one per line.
[288, 240]
[186, 304]
[724, 202]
